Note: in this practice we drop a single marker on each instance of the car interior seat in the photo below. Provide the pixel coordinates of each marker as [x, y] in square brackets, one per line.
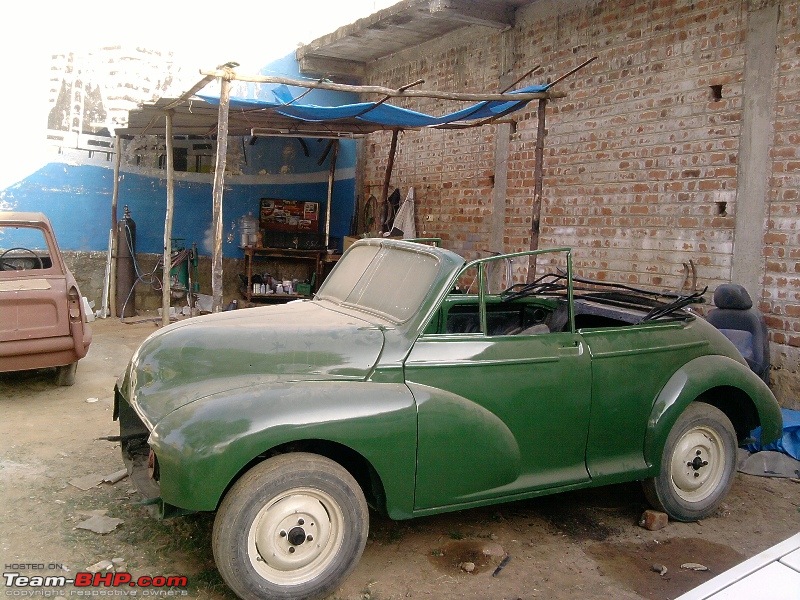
[558, 320]
[743, 325]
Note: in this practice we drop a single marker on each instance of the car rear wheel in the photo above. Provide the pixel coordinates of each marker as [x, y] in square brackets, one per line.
[65, 375]
[294, 526]
[698, 464]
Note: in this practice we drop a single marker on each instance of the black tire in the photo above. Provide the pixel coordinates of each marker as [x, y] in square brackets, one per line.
[698, 464]
[65, 375]
[294, 526]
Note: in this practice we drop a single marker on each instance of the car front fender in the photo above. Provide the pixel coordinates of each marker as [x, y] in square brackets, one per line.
[205, 445]
[696, 377]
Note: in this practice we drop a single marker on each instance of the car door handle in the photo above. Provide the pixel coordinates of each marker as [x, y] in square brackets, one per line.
[576, 349]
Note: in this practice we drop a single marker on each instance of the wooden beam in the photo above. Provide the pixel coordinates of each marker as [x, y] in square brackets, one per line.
[384, 91]
[497, 15]
[331, 179]
[387, 176]
[538, 173]
[165, 279]
[112, 277]
[217, 191]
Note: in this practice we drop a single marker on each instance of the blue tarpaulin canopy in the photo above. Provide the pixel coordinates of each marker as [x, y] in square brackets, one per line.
[198, 115]
[374, 113]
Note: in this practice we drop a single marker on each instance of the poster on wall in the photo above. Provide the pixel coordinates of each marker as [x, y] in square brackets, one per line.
[291, 216]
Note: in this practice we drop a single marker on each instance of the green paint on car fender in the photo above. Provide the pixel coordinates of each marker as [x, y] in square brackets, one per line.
[690, 382]
[203, 446]
[490, 460]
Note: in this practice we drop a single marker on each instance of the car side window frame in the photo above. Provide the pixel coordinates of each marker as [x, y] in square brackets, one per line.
[50, 262]
[481, 265]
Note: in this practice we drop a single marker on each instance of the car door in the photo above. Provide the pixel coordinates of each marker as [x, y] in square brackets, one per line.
[630, 367]
[33, 291]
[498, 415]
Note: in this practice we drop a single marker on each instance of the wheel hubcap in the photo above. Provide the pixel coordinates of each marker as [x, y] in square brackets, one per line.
[698, 464]
[296, 536]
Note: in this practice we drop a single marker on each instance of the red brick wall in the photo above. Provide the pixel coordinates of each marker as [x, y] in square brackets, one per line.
[781, 301]
[640, 165]
[451, 171]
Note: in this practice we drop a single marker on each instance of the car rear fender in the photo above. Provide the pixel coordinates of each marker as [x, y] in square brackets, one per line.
[203, 447]
[708, 378]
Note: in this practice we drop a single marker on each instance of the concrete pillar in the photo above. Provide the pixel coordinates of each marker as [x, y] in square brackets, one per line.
[755, 166]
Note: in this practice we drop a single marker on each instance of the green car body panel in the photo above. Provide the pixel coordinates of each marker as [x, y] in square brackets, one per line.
[428, 393]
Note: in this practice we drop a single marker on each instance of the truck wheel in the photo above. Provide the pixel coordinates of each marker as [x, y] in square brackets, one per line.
[65, 375]
[698, 464]
[294, 526]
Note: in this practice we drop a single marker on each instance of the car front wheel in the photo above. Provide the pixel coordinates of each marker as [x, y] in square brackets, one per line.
[294, 526]
[698, 464]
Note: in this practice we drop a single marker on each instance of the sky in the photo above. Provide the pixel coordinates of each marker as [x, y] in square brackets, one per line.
[200, 34]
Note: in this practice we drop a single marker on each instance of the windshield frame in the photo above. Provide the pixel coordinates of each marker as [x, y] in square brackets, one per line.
[386, 249]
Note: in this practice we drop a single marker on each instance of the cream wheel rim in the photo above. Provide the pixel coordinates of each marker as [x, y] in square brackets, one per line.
[698, 464]
[296, 536]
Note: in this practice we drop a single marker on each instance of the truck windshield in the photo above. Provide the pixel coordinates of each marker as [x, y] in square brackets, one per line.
[389, 281]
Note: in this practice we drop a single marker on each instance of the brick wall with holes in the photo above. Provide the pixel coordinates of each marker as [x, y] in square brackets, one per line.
[640, 158]
[781, 299]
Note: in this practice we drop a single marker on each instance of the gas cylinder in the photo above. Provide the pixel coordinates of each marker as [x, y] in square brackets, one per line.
[126, 265]
[248, 230]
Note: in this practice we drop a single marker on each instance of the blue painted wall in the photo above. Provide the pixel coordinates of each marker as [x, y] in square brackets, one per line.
[77, 197]
[77, 200]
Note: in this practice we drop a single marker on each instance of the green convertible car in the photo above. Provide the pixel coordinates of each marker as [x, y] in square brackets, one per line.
[414, 384]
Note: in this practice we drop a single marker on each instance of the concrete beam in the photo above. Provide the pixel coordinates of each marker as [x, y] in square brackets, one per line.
[311, 64]
[497, 15]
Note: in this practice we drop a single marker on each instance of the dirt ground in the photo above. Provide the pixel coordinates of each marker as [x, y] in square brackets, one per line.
[577, 545]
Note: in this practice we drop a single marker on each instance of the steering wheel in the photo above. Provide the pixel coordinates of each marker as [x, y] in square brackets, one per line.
[8, 266]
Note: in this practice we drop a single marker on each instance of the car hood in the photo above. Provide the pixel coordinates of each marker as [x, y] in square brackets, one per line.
[236, 349]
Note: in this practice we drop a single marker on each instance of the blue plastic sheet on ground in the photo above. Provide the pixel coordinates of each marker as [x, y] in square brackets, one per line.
[788, 443]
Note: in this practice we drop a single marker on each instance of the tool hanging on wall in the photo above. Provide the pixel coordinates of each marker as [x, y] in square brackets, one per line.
[390, 208]
[689, 270]
[370, 214]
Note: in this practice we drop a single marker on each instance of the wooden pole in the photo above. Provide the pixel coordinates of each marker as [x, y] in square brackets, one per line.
[331, 178]
[112, 279]
[165, 279]
[388, 176]
[538, 173]
[219, 182]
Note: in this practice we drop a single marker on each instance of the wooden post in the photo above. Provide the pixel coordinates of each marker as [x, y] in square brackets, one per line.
[165, 280]
[331, 176]
[219, 182]
[112, 279]
[387, 177]
[537, 186]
